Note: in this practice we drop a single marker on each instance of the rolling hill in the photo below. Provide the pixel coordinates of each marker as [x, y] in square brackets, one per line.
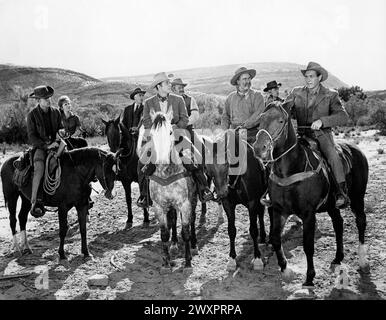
[216, 79]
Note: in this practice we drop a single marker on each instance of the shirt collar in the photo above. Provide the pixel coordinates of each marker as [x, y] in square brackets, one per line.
[244, 95]
[315, 92]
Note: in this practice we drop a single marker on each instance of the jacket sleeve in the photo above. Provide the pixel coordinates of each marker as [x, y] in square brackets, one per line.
[33, 135]
[338, 115]
[225, 118]
[259, 106]
[146, 115]
[183, 114]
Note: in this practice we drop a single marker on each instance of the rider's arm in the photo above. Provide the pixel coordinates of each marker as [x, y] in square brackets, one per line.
[194, 112]
[258, 106]
[338, 115]
[33, 135]
[183, 115]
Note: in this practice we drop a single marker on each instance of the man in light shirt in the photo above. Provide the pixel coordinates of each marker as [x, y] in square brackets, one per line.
[178, 87]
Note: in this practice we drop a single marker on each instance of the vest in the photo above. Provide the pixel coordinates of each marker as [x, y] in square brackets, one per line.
[188, 101]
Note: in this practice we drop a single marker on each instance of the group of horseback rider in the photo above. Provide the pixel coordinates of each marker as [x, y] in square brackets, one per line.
[316, 109]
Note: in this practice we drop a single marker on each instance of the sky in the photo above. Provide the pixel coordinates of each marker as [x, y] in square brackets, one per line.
[106, 38]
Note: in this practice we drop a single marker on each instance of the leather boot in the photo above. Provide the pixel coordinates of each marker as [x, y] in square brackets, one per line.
[37, 208]
[342, 200]
[144, 200]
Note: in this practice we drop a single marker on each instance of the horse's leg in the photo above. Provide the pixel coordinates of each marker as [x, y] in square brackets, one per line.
[63, 227]
[172, 224]
[165, 235]
[193, 239]
[278, 222]
[230, 212]
[257, 263]
[270, 213]
[357, 206]
[82, 213]
[308, 245]
[127, 187]
[23, 216]
[146, 220]
[12, 204]
[260, 213]
[337, 222]
[185, 212]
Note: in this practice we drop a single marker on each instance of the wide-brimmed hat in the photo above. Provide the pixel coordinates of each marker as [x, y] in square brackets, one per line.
[178, 81]
[136, 90]
[272, 85]
[42, 92]
[239, 72]
[160, 77]
[317, 67]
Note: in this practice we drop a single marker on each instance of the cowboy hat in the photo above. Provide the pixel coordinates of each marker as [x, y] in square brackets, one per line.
[272, 85]
[239, 72]
[136, 90]
[316, 67]
[160, 77]
[42, 92]
[178, 81]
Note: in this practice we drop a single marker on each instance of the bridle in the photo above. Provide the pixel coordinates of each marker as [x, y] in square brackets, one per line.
[272, 139]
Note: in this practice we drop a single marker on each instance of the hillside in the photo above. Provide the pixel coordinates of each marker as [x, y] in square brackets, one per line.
[83, 89]
[216, 79]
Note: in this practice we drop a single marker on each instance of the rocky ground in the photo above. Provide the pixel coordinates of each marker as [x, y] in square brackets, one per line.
[136, 254]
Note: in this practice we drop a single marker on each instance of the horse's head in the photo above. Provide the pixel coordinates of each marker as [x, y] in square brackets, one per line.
[106, 172]
[273, 131]
[113, 134]
[162, 136]
[218, 162]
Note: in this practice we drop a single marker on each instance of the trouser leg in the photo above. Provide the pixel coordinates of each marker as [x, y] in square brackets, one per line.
[39, 158]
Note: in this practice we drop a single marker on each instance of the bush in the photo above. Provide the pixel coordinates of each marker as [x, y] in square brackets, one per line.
[380, 151]
[211, 108]
[347, 93]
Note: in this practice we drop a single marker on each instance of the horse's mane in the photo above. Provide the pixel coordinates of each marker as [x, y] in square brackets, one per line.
[84, 155]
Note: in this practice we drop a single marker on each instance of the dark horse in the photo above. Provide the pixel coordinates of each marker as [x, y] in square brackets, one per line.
[124, 143]
[78, 168]
[299, 185]
[233, 157]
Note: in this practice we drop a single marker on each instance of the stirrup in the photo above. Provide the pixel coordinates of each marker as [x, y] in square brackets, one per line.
[265, 200]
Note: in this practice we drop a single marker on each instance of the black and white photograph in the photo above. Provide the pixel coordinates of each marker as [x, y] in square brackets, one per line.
[193, 155]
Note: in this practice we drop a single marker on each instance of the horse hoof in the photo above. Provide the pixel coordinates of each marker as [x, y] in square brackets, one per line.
[334, 267]
[231, 265]
[88, 257]
[365, 268]
[146, 224]
[165, 270]
[174, 249]
[27, 251]
[288, 274]
[305, 293]
[129, 225]
[257, 264]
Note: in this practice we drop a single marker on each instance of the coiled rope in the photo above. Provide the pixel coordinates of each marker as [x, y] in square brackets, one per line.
[51, 183]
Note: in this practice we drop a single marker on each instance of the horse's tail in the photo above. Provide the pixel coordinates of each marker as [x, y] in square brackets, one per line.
[6, 174]
[359, 172]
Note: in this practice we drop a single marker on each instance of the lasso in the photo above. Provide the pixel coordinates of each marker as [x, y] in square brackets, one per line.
[51, 184]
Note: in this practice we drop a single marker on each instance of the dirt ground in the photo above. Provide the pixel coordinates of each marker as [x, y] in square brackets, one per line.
[137, 253]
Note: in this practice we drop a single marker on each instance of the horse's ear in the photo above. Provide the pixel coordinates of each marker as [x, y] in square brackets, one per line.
[152, 114]
[116, 121]
[104, 122]
[287, 106]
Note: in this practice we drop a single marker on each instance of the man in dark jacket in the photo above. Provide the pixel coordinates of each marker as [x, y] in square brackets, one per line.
[165, 101]
[320, 109]
[43, 124]
[272, 90]
[132, 115]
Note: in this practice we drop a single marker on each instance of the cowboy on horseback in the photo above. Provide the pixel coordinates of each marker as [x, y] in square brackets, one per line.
[43, 125]
[165, 101]
[318, 109]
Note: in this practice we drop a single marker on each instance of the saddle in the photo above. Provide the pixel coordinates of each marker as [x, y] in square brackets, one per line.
[343, 150]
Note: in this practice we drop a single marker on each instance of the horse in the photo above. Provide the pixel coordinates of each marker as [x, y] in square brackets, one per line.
[78, 168]
[124, 144]
[172, 189]
[299, 184]
[247, 187]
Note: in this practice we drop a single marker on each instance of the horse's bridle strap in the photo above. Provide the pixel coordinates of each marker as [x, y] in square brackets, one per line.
[171, 179]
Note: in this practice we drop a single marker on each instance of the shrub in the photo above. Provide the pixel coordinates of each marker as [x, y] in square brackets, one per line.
[380, 151]
[376, 138]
